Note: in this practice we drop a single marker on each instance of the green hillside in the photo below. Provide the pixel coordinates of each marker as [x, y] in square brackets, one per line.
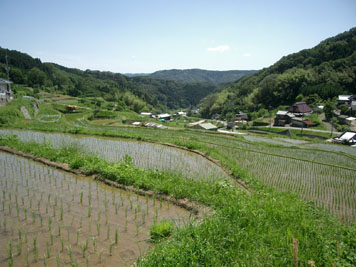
[313, 75]
[198, 75]
[135, 94]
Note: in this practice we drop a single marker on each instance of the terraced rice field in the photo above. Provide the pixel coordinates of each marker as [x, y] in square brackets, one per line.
[52, 218]
[145, 155]
[324, 177]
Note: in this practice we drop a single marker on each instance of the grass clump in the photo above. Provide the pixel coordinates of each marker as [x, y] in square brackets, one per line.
[161, 230]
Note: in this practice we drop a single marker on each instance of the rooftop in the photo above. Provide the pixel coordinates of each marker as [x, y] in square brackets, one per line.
[3, 81]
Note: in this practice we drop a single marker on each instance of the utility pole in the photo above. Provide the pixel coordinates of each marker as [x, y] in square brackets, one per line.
[7, 68]
[270, 116]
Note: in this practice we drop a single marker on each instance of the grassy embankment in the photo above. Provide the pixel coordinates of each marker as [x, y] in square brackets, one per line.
[247, 230]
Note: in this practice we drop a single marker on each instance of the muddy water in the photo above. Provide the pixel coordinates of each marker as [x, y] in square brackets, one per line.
[49, 217]
[145, 155]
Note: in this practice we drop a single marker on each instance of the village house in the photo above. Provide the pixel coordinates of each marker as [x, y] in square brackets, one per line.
[165, 117]
[353, 107]
[300, 109]
[344, 100]
[283, 117]
[6, 94]
[241, 116]
[181, 113]
[348, 137]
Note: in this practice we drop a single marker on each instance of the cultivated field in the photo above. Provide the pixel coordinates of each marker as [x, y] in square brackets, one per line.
[52, 218]
[145, 155]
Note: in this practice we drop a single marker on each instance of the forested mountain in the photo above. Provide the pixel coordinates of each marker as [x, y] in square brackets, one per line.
[313, 75]
[137, 93]
[198, 75]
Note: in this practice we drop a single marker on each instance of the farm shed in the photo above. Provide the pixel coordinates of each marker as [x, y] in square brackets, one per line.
[299, 122]
[205, 126]
[300, 108]
[348, 137]
[6, 93]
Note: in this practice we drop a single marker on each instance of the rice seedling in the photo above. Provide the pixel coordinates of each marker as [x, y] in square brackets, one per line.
[33, 217]
[11, 262]
[48, 250]
[81, 198]
[42, 187]
[87, 258]
[94, 243]
[70, 253]
[101, 256]
[19, 234]
[19, 248]
[51, 238]
[84, 247]
[62, 244]
[10, 250]
[49, 223]
[26, 257]
[77, 236]
[98, 225]
[61, 214]
[58, 261]
[111, 246]
[116, 236]
[107, 232]
[35, 250]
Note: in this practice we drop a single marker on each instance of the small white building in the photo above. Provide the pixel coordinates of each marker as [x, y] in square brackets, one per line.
[344, 99]
[346, 138]
[164, 116]
[182, 113]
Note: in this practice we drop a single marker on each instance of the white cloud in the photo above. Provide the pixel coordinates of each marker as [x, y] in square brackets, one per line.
[246, 54]
[220, 48]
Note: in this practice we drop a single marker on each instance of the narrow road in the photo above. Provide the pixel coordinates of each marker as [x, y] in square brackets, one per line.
[297, 128]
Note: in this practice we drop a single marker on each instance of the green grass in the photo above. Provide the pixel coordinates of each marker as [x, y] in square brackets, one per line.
[247, 229]
[161, 230]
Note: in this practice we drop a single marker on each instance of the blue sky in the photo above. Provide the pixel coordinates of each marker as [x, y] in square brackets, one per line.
[149, 35]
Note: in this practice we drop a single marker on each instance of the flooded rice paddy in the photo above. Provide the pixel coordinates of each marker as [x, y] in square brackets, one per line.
[52, 218]
[145, 155]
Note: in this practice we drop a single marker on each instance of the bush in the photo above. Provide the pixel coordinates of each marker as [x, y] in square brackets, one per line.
[161, 230]
[260, 123]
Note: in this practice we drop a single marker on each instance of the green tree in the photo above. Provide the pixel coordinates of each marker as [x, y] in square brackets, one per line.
[328, 110]
[36, 77]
